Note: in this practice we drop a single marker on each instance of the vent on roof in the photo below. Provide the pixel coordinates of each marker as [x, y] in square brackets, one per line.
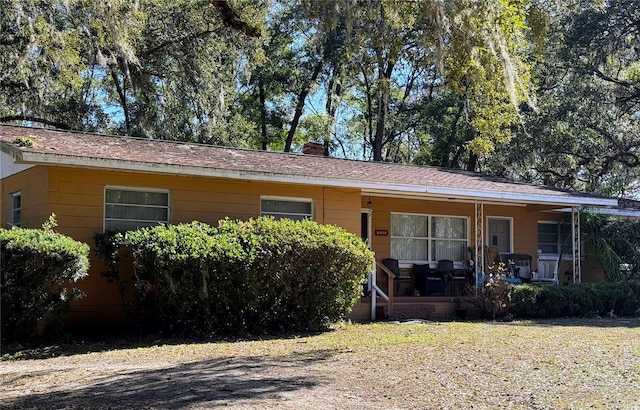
[313, 148]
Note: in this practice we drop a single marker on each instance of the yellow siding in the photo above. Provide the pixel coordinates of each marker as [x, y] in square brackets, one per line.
[77, 198]
[32, 183]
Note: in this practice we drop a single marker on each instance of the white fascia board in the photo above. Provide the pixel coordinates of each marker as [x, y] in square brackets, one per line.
[520, 197]
[65, 160]
[630, 213]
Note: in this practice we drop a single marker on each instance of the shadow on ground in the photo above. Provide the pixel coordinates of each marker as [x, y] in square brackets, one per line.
[628, 322]
[79, 342]
[227, 382]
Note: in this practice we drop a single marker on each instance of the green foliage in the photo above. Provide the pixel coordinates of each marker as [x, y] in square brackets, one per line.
[107, 248]
[576, 300]
[36, 267]
[25, 142]
[308, 274]
[261, 275]
[586, 129]
[613, 241]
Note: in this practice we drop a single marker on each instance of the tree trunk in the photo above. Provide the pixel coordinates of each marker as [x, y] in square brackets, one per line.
[120, 89]
[263, 116]
[300, 106]
[384, 81]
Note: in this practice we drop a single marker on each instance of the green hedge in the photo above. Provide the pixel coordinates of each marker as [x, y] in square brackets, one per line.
[36, 267]
[577, 300]
[260, 275]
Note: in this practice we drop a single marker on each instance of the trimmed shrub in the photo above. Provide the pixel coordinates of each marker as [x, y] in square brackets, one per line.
[184, 277]
[36, 267]
[576, 300]
[308, 275]
[260, 275]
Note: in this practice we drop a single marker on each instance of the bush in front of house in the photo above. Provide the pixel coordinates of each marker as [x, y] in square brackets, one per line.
[184, 277]
[259, 275]
[36, 267]
[308, 275]
[494, 300]
[620, 298]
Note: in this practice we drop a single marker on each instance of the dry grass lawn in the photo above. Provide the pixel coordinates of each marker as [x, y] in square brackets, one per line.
[562, 364]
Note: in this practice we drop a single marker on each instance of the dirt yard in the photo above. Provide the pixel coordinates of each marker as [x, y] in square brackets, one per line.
[565, 364]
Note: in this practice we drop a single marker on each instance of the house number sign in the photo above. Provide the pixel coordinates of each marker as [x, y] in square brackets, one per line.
[382, 232]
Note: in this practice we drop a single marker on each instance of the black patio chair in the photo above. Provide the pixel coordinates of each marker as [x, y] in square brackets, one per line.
[394, 267]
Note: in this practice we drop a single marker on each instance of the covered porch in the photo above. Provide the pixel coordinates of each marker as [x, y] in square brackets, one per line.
[422, 232]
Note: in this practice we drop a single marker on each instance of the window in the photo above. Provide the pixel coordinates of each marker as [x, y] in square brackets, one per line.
[553, 238]
[127, 208]
[15, 207]
[289, 208]
[428, 238]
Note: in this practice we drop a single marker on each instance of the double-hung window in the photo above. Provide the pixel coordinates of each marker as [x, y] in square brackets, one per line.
[132, 208]
[420, 238]
[286, 208]
[15, 209]
[554, 238]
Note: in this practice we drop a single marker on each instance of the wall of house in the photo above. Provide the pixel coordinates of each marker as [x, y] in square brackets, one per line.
[77, 198]
[525, 221]
[32, 184]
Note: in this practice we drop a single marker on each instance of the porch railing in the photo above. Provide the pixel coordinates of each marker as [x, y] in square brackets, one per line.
[376, 291]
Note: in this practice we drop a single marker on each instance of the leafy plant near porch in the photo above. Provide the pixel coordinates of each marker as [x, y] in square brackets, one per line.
[259, 275]
[36, 267]
[613, 241]
[494, 299]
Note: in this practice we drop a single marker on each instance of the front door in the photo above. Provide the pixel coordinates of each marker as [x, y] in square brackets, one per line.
[365, 226]
[499, 234]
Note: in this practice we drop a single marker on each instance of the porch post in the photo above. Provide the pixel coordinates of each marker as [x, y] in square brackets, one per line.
[479, 253]
[575, 231]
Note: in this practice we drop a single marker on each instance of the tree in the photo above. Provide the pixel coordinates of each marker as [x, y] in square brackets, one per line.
[157, 69]
[586, 130]
[475, 48]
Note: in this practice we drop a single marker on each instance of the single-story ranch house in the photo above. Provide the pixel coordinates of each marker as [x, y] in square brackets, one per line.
[415, 218]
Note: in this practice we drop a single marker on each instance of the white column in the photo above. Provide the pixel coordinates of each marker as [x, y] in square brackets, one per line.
[575, 231]
[479, 224]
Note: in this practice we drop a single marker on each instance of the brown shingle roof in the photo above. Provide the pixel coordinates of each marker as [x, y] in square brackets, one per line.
[103, 151]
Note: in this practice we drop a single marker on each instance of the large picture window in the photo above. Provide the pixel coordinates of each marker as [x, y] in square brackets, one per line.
[287, 208]
[132, 208]
[15, 209]
[419, 238]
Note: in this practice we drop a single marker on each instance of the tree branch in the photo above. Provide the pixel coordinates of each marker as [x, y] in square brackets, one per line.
[231, 19]
[38, 120]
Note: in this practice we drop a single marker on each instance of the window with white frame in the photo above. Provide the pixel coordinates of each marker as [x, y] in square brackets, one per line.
[419, 238]
[15, 209]
[553, 238]
[286, 208]
[132, 208]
